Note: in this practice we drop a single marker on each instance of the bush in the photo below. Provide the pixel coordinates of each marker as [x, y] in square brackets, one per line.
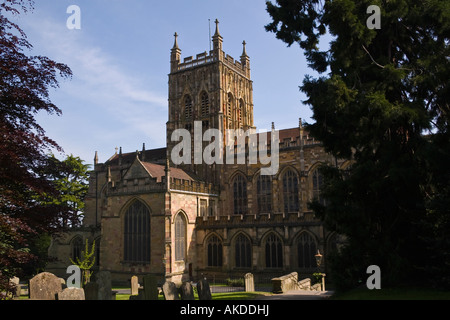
[235, 282]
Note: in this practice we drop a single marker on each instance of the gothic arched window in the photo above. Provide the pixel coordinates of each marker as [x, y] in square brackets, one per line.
[243, 252]
[77, 248]
[205, 104]
[188, 109]
[290, 191]
[180, 237]
[317, 186]
[137, 233]
[274, 252]
[230, 105]
[215, 252]
[241, 111]
[240, 195]
[264, 194]
[306, 250]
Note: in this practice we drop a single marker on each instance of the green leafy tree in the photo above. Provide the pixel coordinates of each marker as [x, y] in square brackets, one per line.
[87, 263]
[382, 101]
[70, 178]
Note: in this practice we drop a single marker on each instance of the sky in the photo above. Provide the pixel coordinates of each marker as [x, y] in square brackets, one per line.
[120, 59]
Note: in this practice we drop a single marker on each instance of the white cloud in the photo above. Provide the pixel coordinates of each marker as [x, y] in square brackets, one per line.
[119, 105]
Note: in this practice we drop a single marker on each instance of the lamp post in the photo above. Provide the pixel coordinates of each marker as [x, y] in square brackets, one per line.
[319, 258]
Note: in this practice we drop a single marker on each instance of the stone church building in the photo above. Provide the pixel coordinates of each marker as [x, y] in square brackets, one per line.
[149, 216]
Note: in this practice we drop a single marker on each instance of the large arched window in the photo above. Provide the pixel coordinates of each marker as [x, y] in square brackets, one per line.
[137, 233]
[180, 237]
[317, 186]
[290, 191]
[306, 250]
[77, 248]
[240, 195]
[264, 194]
[205, 104]
[188, 108]
[274, 252]
[215, 252]
[243, 252]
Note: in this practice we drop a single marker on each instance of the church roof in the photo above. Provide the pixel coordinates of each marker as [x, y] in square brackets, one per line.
[153, 155]
[158, 171]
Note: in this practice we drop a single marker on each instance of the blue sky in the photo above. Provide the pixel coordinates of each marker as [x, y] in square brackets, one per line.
[120, 61]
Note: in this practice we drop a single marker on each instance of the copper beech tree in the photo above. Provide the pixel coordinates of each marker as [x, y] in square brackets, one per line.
[25, 81]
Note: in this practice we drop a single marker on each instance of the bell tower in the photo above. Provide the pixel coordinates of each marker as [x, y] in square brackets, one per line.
[212, 89]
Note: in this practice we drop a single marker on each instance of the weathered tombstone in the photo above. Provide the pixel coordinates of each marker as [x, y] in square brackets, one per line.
[91, 291]
[249, 283]
[150, 287]
[72, 294]
[203, 290]
[170, 291]
[45, 286]
[17, 288]
[104, 285]
[187, 291]
[134, 286]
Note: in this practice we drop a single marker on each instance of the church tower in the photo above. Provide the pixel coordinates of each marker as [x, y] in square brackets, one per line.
[213, 89]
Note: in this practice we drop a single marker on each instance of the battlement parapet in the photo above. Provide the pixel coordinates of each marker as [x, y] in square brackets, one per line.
[193, 186]
[205, 58]
[243, 221]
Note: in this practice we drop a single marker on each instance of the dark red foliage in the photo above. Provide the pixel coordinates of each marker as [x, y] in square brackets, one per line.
[25, 81]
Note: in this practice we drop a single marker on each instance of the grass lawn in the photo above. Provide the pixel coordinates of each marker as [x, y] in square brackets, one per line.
[393, 294]
[215, 296]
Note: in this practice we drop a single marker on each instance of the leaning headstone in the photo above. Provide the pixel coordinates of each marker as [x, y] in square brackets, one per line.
[45, 286]
[134, 286]
[150, 287]
[104, 285]
[187, 291]
[249, 283]
[203, 290]
[72, 294]
[91, 291]
[170, 291]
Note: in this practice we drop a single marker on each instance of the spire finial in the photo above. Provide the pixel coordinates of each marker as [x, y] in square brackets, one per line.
[244, 52]
[217, 28]
[96, 158]
[175, 45]
[143, 152]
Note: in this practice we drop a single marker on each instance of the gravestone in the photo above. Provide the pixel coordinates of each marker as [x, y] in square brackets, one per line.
[187, 291]
[72, 294]
[150, 287]
[170, 291]
[104, 285]
[17, 288]
[91, 291]
[249, 282]
[134, 286]
[203, 290]
[45, 286]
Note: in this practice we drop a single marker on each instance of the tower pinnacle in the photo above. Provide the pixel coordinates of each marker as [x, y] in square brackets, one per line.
[175, 45]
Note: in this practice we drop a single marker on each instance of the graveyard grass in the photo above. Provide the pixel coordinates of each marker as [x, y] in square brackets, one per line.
[215, 296]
